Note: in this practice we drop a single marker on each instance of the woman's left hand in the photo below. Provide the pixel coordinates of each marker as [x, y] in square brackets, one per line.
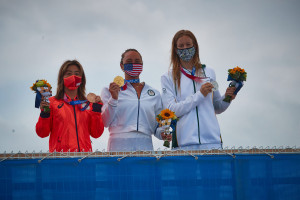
[230, 91]
[91, 97]
[166, 136]
[98, 99]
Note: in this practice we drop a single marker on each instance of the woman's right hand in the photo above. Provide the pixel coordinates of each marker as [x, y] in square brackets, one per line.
[43, 103]
[206, 88]
[166, 136]
[114, 90]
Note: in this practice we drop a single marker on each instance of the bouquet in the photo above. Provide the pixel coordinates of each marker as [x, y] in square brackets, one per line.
[167, 119]
[237, 76]
[42, 89]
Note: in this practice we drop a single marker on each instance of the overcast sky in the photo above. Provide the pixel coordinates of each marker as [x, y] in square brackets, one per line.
[263, 37]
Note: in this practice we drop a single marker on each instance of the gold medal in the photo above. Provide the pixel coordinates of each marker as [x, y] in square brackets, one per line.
[119, 81]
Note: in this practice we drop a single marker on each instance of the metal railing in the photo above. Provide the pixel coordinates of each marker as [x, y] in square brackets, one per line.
[157, 154]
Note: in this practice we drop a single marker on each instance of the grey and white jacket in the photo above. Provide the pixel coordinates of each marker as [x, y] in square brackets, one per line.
[129, 113]
[197, 123]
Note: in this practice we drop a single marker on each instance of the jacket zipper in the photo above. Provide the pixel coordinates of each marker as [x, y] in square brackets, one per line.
[197, 115]
[138, 115]
[137, 128]
[76, 128]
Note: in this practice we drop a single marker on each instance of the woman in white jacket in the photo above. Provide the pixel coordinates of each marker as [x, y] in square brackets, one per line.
[191, 98]
[130, 113]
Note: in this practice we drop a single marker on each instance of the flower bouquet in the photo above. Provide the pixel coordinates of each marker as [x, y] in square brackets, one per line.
[237, 76]
[167, 119]
[42, 89]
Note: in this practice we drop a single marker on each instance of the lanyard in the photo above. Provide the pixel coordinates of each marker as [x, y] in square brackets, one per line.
[195, 78]
[124, 87]
[132, 81]
[80, 103]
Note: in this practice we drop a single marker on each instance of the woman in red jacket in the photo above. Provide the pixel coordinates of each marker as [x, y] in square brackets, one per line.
[72, 119]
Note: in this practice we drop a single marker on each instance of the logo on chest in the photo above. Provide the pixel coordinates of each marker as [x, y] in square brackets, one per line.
[60, 105]
[164, 90]
[151, 92]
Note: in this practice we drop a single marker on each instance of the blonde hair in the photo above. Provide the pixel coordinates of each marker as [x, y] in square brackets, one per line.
[175, 60]
[60, 80]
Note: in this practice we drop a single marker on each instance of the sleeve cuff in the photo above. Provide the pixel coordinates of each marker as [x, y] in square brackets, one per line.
[113, 102]
[45, 114]
[97, 107]
[224, 102]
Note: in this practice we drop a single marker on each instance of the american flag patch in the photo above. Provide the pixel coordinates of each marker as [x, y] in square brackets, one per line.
[133, 69]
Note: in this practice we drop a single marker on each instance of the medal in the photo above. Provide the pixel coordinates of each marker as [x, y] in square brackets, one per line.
[211, 81]
[119, 81]
[215, 84]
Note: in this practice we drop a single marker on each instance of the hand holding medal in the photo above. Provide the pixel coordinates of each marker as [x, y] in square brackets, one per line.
[211, 81]
[93, 98]
[115, 87]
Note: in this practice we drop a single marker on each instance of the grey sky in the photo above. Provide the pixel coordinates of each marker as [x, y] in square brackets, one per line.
[36, 37]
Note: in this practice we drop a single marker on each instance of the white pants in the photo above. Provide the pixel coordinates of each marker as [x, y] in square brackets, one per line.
[200, 147]
[130, 141]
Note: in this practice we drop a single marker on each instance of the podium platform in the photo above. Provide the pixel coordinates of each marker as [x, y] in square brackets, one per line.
[252, 173]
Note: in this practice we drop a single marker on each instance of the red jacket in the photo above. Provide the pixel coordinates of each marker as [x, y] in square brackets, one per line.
[69, 127]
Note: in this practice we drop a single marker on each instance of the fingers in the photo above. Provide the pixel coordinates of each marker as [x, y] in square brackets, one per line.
[230, 89]
[98, 99]
[91, 97]
[166, 136]
[114, 90]
[206, 88]
[114, 86]
[169, 137]
[230, 92]
[43, 104]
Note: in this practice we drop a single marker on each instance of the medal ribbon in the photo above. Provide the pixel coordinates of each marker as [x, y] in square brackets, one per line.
[76, 102]
[124, 87]
[195, 78]
[132, 81]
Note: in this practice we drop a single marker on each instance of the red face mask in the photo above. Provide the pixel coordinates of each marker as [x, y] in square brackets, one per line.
[72, 82]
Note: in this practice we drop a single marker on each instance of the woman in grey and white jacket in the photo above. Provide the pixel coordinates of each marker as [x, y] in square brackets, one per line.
[130, 113]
[185, 92]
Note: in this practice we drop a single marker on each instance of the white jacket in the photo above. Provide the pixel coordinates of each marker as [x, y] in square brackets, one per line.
[128, 113]
[197, 120]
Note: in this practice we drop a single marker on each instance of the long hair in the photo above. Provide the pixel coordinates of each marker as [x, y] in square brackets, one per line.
[60, 80]
[175, 59]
